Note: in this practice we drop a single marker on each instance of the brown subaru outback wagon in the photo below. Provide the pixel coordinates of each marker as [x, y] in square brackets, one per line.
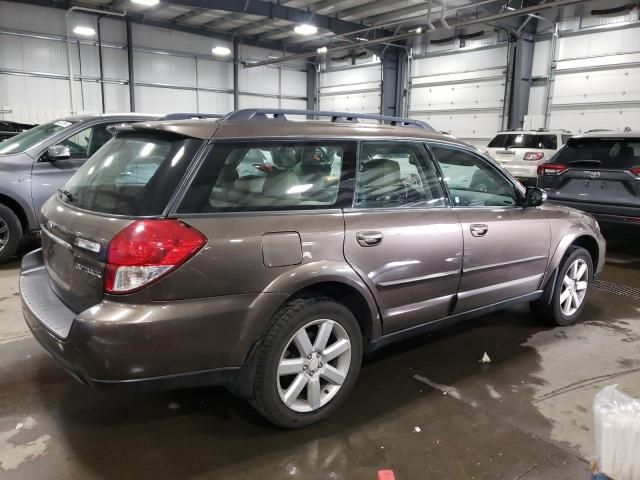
[268, 255]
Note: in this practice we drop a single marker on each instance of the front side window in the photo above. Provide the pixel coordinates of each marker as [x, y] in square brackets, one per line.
[268, 176]
[134, 175]
[472, 181]
[86, 142]
[396, 174]
[30, 138]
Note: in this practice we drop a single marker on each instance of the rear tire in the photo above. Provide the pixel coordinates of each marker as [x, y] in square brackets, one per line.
[572, 288]
[10, 233]
[308, 362]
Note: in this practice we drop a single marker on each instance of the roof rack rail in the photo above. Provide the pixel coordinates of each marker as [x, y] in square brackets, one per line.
[281, 114]
[190, 116]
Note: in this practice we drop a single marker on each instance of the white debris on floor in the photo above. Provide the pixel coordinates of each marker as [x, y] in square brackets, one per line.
[485, 358]
[417, 429]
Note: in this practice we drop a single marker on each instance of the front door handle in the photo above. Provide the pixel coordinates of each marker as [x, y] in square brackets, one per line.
[369, 239]
[479, 230]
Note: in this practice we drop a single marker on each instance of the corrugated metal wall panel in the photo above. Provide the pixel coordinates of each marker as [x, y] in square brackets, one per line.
[181, 63]
[461, 91]
[355, 89]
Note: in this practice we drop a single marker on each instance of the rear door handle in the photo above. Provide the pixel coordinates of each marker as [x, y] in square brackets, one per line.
[479, 230]
[369, 239]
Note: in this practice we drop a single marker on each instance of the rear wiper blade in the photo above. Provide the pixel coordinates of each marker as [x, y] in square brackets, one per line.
[67, 194]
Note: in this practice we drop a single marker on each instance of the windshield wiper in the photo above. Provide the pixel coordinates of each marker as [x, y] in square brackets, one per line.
[67, 194]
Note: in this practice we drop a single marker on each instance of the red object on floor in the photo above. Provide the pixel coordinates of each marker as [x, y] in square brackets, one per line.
[386, 475]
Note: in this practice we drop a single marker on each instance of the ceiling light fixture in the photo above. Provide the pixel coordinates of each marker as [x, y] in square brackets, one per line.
[322, 50]
[306, 29]
[84, 31]
[221, 51]
[146, 3]
[362, 39]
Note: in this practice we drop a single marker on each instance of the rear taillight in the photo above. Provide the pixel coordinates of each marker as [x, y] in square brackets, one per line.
[534, 156]
[551, 169]
[146, 250]
[635, 171]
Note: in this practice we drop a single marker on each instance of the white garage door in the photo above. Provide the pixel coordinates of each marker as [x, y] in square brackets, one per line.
[354, 89]
[597, 81]
[461, 92]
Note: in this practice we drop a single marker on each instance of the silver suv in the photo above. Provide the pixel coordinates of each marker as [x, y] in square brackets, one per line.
[520, 152]
[167, 260]
[36, 162]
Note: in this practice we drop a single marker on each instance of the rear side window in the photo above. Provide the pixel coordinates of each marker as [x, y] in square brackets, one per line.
[269, 176]
[133, 175]
[615, 153]
[397, 174]
[525, 140]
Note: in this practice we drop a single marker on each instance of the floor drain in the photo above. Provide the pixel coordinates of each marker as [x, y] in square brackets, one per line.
[617, 289]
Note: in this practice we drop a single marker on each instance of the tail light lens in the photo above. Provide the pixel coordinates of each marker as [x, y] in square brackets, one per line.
[635, 171]
[534, 156]
[551, 169]
[147, 250]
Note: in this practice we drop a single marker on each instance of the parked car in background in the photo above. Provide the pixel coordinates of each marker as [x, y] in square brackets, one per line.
[37, 162]
[10, 129]
[521, 151]
[597, 173]
[268, 255]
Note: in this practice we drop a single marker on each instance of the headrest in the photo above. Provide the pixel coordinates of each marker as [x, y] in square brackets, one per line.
[380, 172]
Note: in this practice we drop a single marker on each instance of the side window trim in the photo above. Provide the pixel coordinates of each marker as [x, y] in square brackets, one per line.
[490, 164]
[429, 158]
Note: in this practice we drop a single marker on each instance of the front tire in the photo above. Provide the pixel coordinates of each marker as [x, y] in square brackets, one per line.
[571, 290]
[10, 233]
[308, 362]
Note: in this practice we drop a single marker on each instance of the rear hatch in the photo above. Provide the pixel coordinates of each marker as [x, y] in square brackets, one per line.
[522, 151]
[595, 170]
[134, 175]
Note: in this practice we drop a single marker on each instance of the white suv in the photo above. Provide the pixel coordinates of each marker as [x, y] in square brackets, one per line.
[521, 151]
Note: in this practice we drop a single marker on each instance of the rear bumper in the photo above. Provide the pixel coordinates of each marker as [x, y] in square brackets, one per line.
[152, 345]
[605, 213]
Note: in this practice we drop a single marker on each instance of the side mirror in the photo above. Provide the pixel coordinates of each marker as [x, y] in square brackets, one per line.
[534, 197]
[57, 152]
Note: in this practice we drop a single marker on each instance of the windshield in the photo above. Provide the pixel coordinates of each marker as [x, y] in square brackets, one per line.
[132, 175]
[524, 140]
[25, 140]
[615, 153]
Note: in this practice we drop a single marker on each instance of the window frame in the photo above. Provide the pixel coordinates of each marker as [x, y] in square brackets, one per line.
[519, 189]
[347, 179]
[428, 155]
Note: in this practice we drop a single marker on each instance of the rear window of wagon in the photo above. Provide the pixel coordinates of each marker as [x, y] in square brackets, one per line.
[132, 175]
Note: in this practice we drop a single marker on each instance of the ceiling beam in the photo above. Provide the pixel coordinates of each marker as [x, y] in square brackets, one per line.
[143, 19]
[266, 9]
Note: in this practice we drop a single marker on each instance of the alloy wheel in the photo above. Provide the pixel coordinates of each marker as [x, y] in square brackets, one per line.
[314, 365]
[4, 233]
[574, 287]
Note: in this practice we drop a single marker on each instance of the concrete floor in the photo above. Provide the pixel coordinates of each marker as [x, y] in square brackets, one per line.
[424, 408]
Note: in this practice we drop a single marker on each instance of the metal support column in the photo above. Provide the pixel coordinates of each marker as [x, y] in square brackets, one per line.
[312, 87]
[132, 83]
[236, 72]
[521, 86]
[389, 97]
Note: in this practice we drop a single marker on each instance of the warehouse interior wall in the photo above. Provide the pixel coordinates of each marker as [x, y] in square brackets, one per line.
[459, 86]
[174, 71]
